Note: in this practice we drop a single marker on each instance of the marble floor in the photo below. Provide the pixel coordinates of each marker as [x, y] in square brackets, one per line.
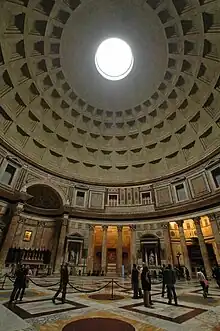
[84, 301]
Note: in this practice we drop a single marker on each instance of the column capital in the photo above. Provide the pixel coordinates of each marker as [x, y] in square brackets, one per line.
[91, 227]
[104, 227]
[65, 219]
[41, 224]
[196, 220]
[165, 225]
[133, 227]
[180, 223]
[21, 220]
[19, 209]
[119, 228]
[212, 217]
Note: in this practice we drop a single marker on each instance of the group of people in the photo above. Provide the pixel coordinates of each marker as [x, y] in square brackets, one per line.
[141, 284]
[140, 279]
[21, 282]
[22, 275]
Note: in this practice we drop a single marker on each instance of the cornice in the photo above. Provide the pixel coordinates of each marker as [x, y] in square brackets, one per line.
[78, 181]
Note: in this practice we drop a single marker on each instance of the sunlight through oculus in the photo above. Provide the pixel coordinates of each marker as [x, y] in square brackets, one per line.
[114, 59]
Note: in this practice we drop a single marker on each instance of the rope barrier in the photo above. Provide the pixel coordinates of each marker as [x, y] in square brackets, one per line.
[89, 291]
[3, 276]
[41, 285]
[125, 288]
[10, 278]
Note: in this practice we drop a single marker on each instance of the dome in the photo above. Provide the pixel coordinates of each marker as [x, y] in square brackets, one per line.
[58, 112]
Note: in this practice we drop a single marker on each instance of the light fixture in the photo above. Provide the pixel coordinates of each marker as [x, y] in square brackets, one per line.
[114, 59]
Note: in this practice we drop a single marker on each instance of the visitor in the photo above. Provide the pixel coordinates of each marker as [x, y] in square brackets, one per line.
[134, 281]
[170, 280]
[203, 282]
[216, 274]
[146, 286]
[64, 279]
[27, 274]
[187, 273]
[139, 282]
[163, 283]
[18, 283]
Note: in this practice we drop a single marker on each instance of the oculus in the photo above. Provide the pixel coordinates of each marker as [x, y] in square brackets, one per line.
[114, 59]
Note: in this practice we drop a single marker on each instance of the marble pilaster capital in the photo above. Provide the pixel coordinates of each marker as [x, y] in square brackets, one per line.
[212, 217]
[21, 220]
[196, 220]
[119, 228]
[104, 228]
[65, 219]
[40, 224]
[19, 209]
[133, 227]
[165, 226]
[180, 223]
[91, 227]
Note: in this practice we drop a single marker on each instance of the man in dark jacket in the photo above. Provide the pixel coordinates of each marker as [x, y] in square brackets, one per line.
[20, 278]
[170, 280]
[134, 281]
[146, 286]
[64, 279]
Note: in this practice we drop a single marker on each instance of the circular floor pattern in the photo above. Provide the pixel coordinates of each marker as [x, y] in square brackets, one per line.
[103, 296]
[94, 324]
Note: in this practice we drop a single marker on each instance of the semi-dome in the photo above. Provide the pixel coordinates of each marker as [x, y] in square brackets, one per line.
[58, 112]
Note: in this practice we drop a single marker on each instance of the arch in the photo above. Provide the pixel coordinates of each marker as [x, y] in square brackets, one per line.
[51, 185]
[44, 196]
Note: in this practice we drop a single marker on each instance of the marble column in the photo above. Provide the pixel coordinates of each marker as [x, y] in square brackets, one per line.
[119, 250]
[133, 249]
[215, 231]
[184, 247]
[90, 257]
[167, 242]
[203, 247]
[9, 239]
[104, 248]
[39, 234]
[61, 244]
[80, 253]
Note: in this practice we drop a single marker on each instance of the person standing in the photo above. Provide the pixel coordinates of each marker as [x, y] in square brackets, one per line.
[146, 286]
[163, 283]
[64, 279]
[18, 283]
[170, 281]
[27, 274]
[187, 273]
[203, 282]
[139, 282]
[216, 274]
[134, 281]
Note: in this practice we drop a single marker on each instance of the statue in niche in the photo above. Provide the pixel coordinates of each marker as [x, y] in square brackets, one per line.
[72, 257]
[151, 258]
